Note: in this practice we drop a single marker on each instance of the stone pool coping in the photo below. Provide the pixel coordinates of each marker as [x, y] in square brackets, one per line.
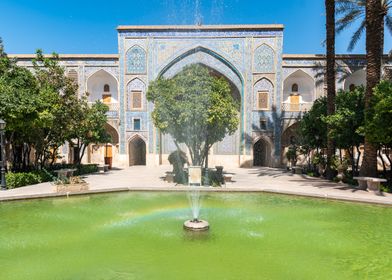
[202, 189]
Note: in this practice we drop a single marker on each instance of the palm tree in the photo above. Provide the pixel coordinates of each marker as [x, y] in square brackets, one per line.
[351, 11]
[330, 77]
[374, 49]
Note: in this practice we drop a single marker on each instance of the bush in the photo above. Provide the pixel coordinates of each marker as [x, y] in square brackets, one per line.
[85, 169]
[16, 180]
[21, 179]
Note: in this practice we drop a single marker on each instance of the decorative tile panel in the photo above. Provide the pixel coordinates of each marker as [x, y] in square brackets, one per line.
[264, 59]
[136, 60]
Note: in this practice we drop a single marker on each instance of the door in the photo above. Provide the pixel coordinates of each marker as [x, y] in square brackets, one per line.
[107, 98]
[294, 103]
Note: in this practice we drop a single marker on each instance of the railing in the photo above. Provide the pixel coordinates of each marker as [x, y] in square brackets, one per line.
[114, 109]
[296, 107]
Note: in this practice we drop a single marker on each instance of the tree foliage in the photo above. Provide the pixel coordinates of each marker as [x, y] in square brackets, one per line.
[313, 126]
[196, 108]
[378, 126]
[43, 110]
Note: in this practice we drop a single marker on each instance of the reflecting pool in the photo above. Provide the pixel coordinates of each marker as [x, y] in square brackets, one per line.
[138, 235]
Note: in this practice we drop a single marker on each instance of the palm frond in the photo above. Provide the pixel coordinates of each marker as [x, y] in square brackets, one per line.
[347, 20]
[356, 36]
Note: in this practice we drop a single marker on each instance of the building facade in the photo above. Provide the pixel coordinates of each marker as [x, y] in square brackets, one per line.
[274, 89]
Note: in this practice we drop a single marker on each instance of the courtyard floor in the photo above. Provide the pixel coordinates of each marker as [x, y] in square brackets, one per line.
[244, 179]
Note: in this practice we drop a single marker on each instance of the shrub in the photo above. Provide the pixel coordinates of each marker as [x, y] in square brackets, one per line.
[16, 180]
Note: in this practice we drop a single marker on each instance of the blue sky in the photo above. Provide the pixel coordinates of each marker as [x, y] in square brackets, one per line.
[84, 26]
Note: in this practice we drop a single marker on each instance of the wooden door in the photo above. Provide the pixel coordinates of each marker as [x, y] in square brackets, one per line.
[108, 151]
[294, 103]
[107, 98]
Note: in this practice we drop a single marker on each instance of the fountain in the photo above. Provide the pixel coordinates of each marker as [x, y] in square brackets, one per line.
[194, 182]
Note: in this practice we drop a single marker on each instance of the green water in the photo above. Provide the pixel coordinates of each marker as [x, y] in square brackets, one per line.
[140, 236]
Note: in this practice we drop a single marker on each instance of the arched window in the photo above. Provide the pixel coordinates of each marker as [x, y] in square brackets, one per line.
[352, 87]
[294, 88]
[106, 88]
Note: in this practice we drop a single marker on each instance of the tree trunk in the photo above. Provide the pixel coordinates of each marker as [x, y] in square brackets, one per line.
[374, 19]
[330, 27]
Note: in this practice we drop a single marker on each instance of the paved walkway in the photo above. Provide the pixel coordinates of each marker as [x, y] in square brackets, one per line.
[245, 179]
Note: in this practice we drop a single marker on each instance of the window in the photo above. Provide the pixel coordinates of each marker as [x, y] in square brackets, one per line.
[106, 88]
[294, 88]
[262, 100]
[136, 100]
[263, 124]
[352, 87]
[136, 124]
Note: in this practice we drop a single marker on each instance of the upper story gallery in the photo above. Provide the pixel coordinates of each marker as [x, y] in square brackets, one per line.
[274, 88]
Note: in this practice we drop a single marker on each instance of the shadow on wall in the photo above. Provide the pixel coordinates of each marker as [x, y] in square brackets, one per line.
[265, 144]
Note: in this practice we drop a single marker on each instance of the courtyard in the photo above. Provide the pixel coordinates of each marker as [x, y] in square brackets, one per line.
[258, 179]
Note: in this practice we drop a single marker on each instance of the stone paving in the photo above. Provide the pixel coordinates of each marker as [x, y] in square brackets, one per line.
[244, 179]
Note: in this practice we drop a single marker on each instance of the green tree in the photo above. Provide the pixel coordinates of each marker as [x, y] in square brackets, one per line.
[378, 126]
[58, 100]
[19, 99]
[346, 125]
[196, 108]
[88, 127]
[313, 126]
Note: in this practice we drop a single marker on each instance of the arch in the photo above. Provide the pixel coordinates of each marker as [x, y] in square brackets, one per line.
[137, 150]
[290, 132]
[357, 78]
[264, 59]
[263, 85]
[305, 85]
[262, 151]
[113, 132]
[96, 82]
[106, 88]
[216, 62]
[136, 60]
[136, 95]
[207, 57]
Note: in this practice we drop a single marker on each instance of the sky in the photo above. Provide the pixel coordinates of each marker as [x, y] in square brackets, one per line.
[89, 27]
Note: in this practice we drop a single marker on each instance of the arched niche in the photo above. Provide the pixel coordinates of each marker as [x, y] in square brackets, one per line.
[358, 78]
[137, 151]
[96, 85]
[302, 83]
[136, 95]
[263, 94]
[262, 151]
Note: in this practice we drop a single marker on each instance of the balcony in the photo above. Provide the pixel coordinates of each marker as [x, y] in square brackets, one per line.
[296, 107]
[114, 109]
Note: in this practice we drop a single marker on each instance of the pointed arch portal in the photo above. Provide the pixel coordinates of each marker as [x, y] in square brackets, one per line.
[137, 151]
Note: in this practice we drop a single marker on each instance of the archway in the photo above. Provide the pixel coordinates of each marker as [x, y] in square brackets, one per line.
[358, 78]
[221, 67]
[261, 153]
[137, 151]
